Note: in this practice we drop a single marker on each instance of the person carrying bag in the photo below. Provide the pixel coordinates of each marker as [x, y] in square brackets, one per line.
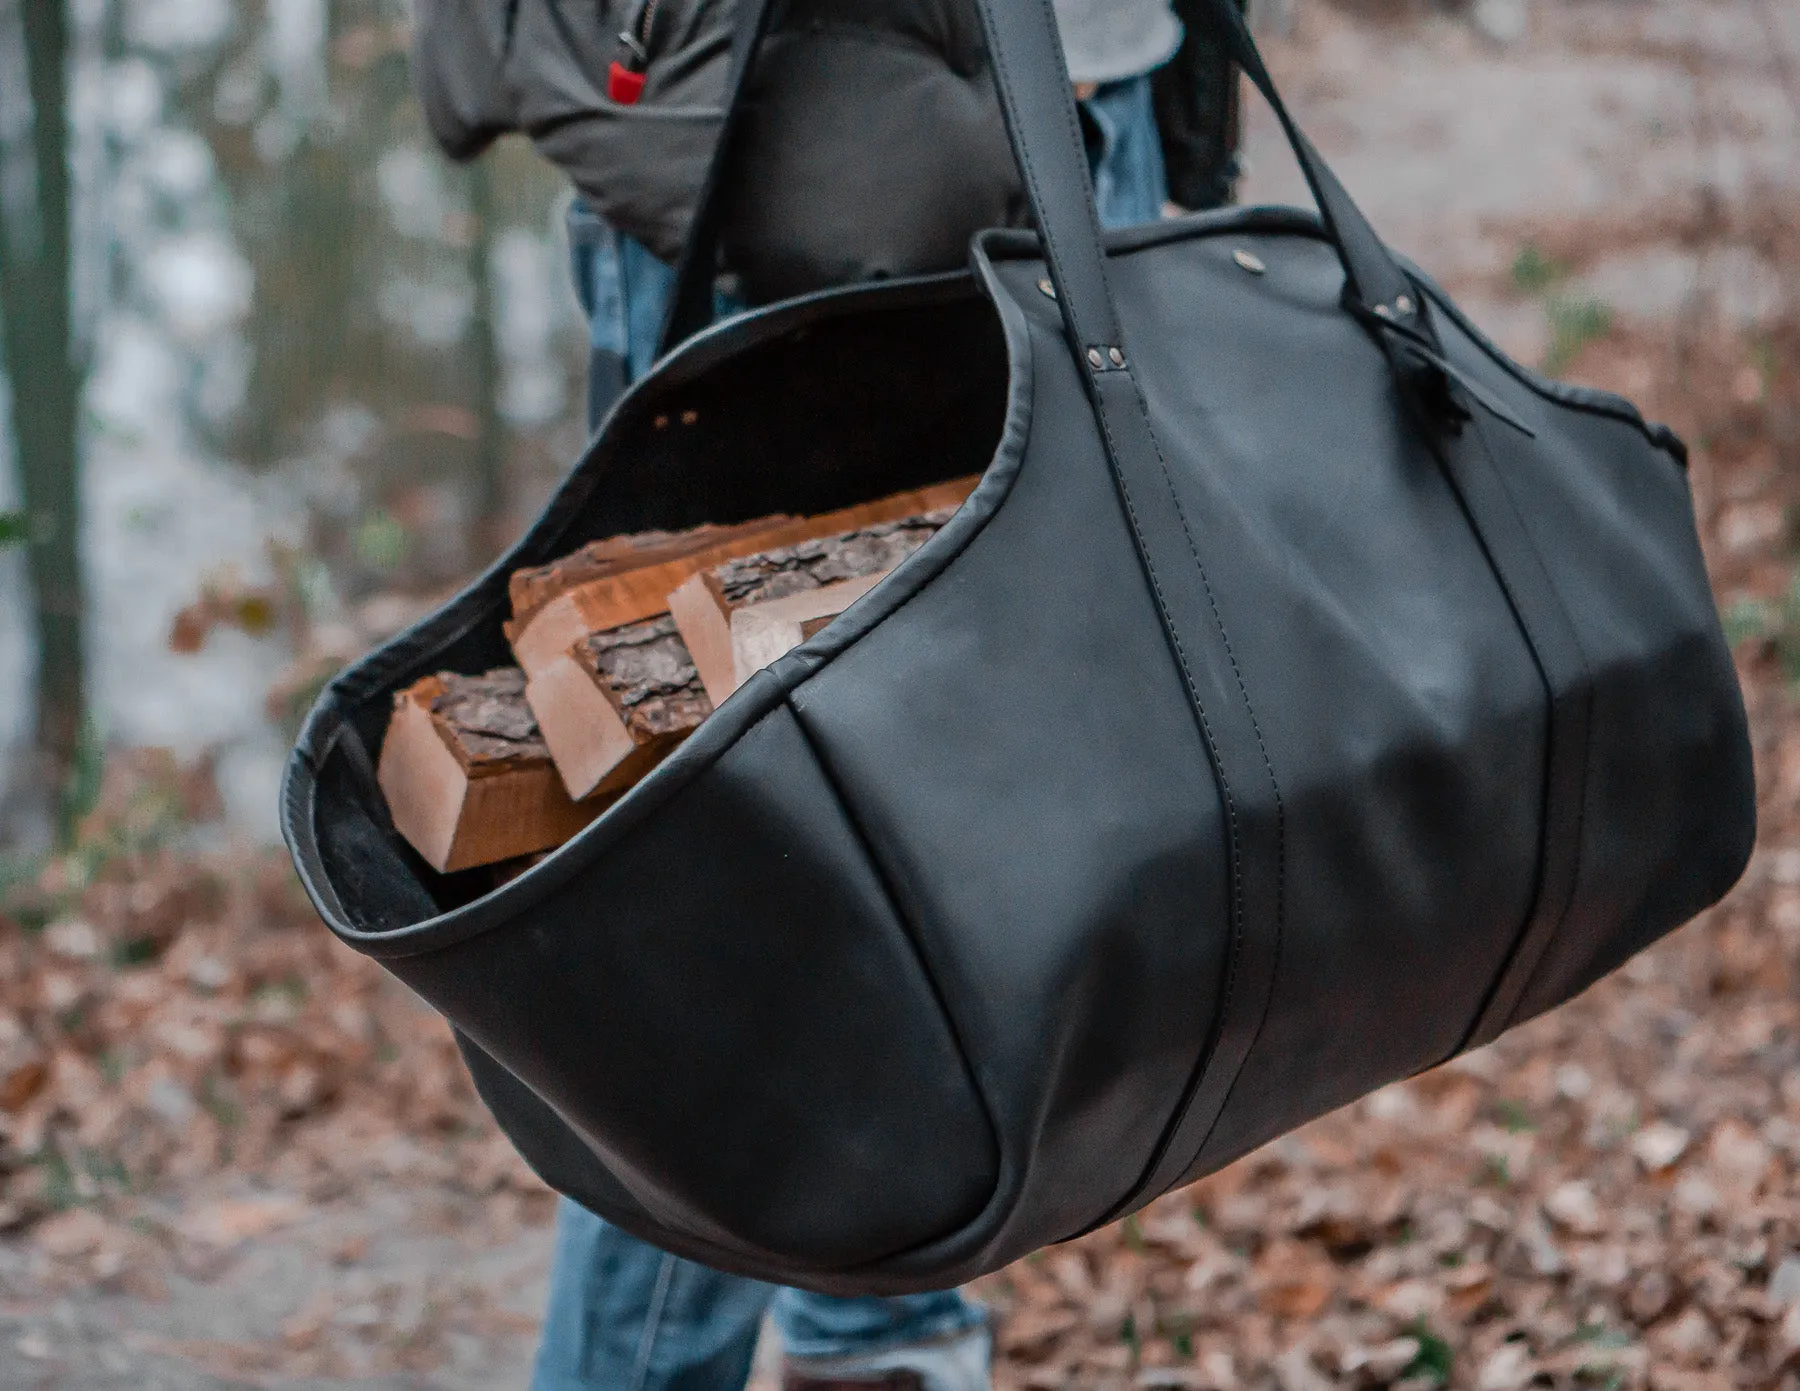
[1306, 694]
[872, 145]
[622, 1313]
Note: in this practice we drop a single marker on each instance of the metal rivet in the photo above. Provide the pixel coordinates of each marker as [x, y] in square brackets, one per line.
[1118, 358]
[1403, 304]
[1094, 359]
[1047, 289]
[1249, 260]
[1383, 312]
[689, 417]
[661, 422]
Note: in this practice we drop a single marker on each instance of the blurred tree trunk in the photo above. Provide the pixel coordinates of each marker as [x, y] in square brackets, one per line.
[490, 441]
[40, 354]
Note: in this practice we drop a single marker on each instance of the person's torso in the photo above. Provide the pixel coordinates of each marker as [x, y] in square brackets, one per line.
[872, 143]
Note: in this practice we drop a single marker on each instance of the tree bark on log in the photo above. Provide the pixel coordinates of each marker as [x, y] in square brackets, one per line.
[467, 775]
[615, 704]
[739, 617]
[631, 593]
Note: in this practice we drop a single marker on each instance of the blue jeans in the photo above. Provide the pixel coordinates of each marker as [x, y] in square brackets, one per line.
[623, 1315]
[1125, 153]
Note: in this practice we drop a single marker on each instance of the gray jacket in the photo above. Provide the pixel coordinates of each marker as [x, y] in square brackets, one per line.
[873, 145]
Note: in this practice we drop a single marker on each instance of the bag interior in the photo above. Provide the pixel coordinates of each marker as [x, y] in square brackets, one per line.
[802, 409]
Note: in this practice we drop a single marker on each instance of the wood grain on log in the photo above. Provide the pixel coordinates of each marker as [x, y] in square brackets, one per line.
[633, 595]
[530, 589]
[467, 774]
[615, 704]
[739, 617]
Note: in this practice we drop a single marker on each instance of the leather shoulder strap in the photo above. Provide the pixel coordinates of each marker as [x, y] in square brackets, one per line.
[691, 304]
[1026, 55]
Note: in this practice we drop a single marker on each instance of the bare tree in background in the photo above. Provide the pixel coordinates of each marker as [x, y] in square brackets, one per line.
[40, 355]
[490, 440]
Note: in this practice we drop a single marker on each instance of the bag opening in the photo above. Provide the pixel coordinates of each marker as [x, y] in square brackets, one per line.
[811, 407]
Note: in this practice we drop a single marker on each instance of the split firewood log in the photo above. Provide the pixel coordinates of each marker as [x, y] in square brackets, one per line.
[531, 588]
[739, 617]
[615, 704]
[628, 595]
[467, 775]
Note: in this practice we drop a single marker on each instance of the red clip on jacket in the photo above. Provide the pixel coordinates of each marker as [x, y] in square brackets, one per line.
[623, 86]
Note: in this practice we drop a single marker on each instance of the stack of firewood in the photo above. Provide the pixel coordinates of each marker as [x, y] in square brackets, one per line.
[624, 648]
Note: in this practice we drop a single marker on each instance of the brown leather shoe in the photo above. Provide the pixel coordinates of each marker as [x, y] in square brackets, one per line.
[889, 1381]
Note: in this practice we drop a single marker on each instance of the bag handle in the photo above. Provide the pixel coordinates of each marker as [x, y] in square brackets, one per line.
[1031, 76]
[691, 302]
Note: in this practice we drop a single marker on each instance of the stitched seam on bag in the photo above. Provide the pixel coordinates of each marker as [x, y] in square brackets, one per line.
[1072, 123]
[1498, 979]
[1280, 819]
[1579, 829]
[1173, 1125]
[1029, 169]
[1440, 456]
[1019, 414]
[1238, 932]
[1580, 832]
[907, 932]
[1268, 765]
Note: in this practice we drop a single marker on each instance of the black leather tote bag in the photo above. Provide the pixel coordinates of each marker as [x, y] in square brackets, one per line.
[1307, 693]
